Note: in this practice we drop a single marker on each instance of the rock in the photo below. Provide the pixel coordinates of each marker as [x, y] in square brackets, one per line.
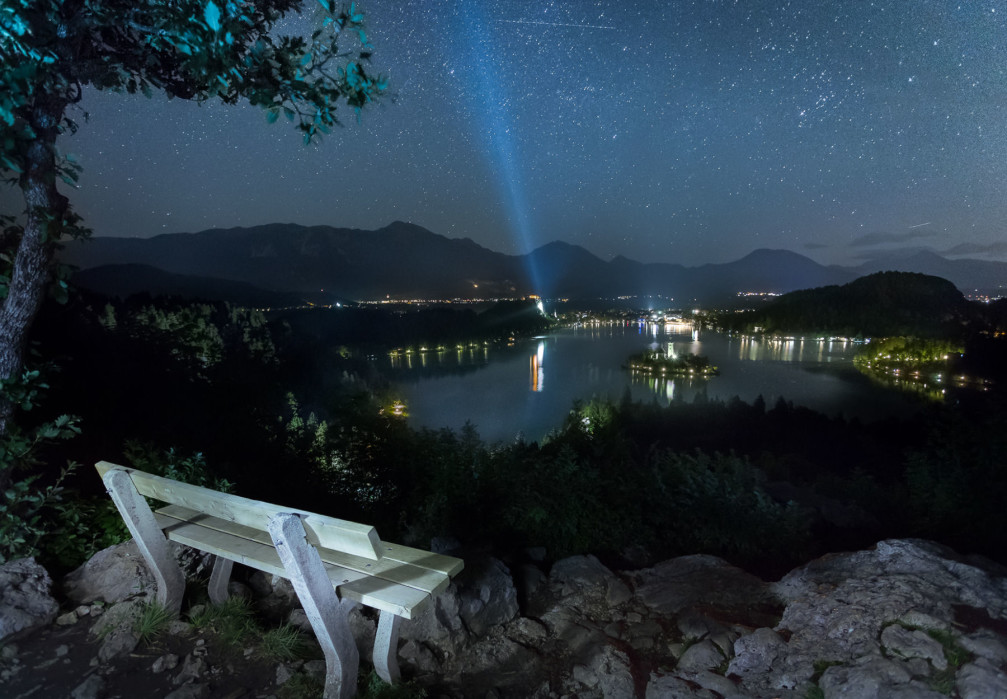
[872, 676]
[756, 656]
[722, 590]
[189, 691]
[418, 656]
[122, 615]
[113, 575]
[169, 661]
[192, 669]
[608, 672]
[261, 583]
[986, 644]
[119, 642]
[119, 572]
[981, 680]
[576, 573]
[91, 688]
[713, 682]
[364, 628]
[671, 687]
[700, 656]
[838, 605]
[25, 599]
[487, 596]
[906, 643]
[68, 619]
[440, 624]
[283, 674]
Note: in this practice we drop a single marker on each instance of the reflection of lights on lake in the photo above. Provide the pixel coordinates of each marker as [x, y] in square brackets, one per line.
[537, 368]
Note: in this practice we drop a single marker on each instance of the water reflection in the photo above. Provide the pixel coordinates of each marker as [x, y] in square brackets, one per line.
[587, 362]
[791, 349]
[537, 361]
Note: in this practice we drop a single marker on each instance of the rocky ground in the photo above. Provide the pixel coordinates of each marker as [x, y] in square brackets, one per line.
[906, 619]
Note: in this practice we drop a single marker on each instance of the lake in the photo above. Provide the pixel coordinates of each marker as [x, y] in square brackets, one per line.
[528, 388]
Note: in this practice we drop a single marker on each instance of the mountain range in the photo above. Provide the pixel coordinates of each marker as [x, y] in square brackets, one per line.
[289, 263]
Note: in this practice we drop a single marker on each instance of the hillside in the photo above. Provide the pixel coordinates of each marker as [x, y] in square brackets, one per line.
[403, 261]
[881, 304]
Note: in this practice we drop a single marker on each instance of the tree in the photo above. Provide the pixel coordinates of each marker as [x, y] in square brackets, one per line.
[50, 50]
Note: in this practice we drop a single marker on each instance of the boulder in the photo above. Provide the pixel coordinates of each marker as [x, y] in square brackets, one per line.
[707, 582]
[119, 572]
[25, 601]
[113, 575]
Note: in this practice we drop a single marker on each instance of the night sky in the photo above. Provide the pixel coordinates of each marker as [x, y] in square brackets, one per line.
[679, 131]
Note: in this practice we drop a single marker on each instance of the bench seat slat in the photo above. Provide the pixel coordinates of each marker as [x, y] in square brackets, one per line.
[385, 595]
[329, 532]
[387, 568]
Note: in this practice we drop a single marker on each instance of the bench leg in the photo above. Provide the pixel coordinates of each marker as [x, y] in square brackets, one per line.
[219, 578]
[386, 647]
[148, 537]
[326, 612]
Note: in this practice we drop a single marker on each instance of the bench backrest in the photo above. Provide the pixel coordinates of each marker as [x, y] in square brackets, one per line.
[327, 532]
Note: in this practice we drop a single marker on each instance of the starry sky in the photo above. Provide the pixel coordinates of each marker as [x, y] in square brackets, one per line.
[685, 131]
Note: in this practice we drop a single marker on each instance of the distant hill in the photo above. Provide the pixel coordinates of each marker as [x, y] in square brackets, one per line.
[968, 275]
[402, 261]
[880, 304]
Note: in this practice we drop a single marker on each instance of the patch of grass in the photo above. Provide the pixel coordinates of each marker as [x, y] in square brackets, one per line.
[232, 621]
[152, 621]
[814, 692]
[944, 680]
[820, 666]
[284, 643]
[302, 686]
[373, 687]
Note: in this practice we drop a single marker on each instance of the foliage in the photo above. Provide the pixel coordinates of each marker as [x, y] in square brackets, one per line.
[373, 687]
[283, 643]
[153, 620]
[189, 469]
[233, 620]
[29, 509]
[301, 685]
[877, 305]
[190, 50]
[957, 484]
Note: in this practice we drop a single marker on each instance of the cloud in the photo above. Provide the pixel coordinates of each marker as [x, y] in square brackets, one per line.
[997, 249]
[882, 238]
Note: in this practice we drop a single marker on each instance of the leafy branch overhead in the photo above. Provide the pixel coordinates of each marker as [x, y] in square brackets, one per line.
[192, 50]
[51, 50]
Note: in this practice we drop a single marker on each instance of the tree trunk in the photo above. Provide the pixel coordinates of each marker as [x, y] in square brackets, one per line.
[45, 214]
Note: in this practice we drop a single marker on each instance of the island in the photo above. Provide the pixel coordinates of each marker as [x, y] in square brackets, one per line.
[657, 361]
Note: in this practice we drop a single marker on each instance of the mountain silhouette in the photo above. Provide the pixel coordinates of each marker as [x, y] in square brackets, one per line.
[405, 261]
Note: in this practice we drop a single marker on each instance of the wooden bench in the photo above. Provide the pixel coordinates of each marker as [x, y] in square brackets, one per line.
[333, 564]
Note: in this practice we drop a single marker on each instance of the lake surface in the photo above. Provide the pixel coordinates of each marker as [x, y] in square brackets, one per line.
[529, 388]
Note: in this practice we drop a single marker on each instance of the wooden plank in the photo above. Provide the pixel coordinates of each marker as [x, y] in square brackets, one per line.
[388, 568]
[327, 532]
[363, 588]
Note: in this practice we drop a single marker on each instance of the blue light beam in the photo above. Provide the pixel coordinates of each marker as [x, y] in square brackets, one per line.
[486, 65]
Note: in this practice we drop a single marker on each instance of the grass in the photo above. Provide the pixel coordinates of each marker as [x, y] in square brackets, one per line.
[233, 620]
[284, 643]
[301, 686]
[373, 687]
[152, 621]
[944, 680]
